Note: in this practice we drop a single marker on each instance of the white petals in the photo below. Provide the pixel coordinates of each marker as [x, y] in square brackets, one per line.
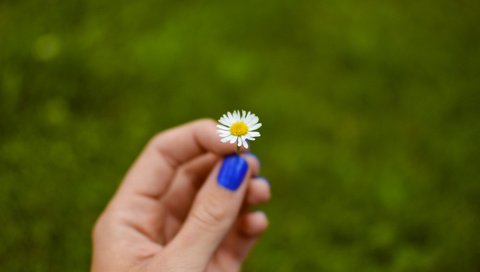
[240, 138]
[222, 127]
[253, 120]
[255, 127]
[225, 120]
[254, 134]
[244, 141]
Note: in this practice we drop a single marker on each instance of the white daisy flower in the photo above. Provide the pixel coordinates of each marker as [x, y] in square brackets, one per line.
[238, 128]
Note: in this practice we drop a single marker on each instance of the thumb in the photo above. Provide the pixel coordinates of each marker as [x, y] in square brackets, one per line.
[214, 211]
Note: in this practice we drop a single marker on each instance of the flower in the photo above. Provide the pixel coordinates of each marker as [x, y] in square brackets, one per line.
[238, 128]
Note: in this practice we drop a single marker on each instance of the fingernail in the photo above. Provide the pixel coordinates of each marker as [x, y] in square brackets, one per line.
[264, 179]
[232, 172]
[252, 155]
[261, 213]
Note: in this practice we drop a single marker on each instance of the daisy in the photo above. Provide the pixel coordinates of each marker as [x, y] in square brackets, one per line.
[238, 128]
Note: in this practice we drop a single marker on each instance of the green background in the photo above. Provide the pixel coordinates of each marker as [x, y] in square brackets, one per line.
[370, 113]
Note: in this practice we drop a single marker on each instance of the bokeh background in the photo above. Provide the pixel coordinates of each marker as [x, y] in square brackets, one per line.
[370, 112]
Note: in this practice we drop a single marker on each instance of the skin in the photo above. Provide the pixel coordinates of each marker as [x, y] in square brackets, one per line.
[169, 213]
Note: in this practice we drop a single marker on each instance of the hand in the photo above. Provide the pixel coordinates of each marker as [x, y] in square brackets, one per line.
[180, 209]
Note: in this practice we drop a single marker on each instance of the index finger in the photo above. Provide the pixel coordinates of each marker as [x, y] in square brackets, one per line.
[152, 172]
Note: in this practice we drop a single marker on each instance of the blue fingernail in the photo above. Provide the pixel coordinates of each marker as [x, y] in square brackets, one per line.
[232, 172]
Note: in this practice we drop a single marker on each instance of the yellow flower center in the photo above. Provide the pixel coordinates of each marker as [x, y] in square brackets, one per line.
[239, 128]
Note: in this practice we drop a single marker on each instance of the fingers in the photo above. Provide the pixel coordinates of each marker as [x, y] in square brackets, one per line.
[152, 172]
[241, 240]
[258, 191]
[179, 198]
[251, 225]
[215, 210]
[187, 182]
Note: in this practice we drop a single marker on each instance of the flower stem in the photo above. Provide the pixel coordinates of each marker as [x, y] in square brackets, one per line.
[238, 150]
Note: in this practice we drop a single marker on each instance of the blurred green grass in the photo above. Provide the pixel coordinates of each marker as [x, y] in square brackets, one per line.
[370, 113]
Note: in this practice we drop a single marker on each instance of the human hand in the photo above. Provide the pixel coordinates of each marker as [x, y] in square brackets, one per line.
[174, 211]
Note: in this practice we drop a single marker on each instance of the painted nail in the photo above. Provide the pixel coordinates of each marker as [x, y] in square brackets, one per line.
[252, 155]
[232, 172]
[264, 179]
[260, 213]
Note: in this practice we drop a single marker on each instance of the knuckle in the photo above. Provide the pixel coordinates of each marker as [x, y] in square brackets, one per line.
[102, 226]
[210, 212]
[97, 229]
[205, 122]
[155, 139]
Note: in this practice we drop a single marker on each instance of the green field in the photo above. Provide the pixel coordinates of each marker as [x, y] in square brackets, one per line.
[370, 111]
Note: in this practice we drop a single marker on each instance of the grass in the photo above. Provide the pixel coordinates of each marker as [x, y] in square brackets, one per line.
[370, 113]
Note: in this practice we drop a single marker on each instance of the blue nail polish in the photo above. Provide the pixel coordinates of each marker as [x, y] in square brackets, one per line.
[232, 172]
